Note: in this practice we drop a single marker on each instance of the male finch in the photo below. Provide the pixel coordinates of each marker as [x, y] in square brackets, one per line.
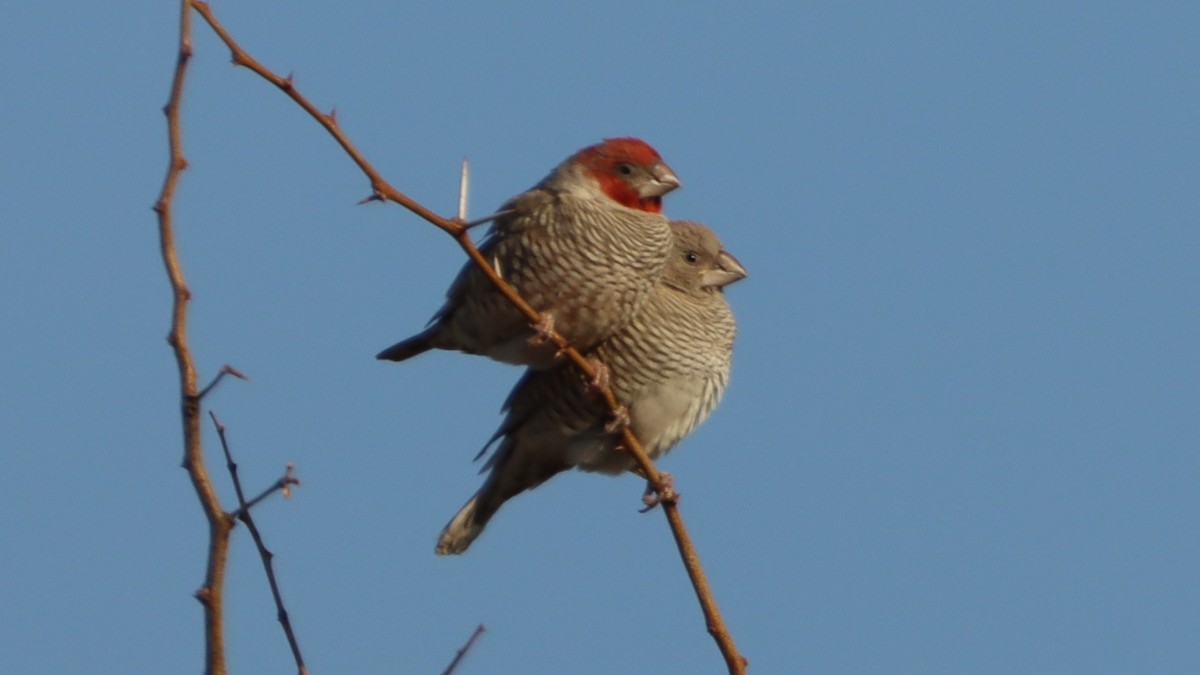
[669, 366]
[584, 246]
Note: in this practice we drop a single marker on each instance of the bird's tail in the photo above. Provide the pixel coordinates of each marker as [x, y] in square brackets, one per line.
[406, 349]
[463, 528]
[512, 474]
[500, 486]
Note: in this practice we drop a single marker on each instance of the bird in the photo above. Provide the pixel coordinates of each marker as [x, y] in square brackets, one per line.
[669, 367]
[584, 247]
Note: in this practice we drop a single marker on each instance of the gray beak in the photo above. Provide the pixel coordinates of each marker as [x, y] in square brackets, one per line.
[728, 271]
[662, 180]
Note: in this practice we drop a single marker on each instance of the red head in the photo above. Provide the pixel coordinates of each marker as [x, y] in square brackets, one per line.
[629, 171]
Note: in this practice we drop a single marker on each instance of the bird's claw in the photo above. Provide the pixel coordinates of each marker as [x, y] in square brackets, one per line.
[601, 380]
[619, 421]
[543, 330]
[653, 496]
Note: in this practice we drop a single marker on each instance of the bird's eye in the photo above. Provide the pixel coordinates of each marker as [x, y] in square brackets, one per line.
[692, 257]
[625, 169]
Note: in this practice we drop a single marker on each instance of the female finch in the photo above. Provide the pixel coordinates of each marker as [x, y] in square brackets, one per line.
[669, 366]
[584, 246]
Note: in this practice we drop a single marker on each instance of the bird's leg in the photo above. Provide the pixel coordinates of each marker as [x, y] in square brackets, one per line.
[652, 497]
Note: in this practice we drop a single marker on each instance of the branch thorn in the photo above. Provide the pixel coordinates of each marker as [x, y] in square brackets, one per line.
[464, 186]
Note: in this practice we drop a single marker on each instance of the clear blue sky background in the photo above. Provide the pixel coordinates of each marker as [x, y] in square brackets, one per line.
[962, 430]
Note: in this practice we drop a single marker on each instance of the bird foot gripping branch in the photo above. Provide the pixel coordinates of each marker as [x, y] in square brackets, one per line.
[543, 330]
[596, 387]
[600, 382]
[619, 422]
[665, 492]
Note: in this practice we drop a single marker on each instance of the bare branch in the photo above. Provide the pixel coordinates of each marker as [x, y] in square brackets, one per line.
[243, 514]
[487, 219]
[458, 657]
[379, 187]
[283, 485]
[225, 370]
[211, 594]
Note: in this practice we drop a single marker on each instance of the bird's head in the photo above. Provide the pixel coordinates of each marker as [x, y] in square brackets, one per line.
[699, 263]
[628, 171]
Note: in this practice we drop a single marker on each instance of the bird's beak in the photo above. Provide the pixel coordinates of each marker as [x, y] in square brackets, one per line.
[728, 271]
[662, 180]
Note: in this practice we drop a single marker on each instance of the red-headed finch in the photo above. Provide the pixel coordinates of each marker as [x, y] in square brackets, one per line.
[584, 247]
[669, 367]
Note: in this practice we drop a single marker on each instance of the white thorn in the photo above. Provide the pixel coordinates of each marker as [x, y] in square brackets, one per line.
[464, 185]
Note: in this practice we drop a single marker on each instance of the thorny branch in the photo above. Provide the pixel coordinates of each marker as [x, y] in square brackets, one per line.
[211, 594]
[243, 514]
[381, 190]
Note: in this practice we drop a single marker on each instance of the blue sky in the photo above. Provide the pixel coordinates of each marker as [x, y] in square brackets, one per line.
[962, 429]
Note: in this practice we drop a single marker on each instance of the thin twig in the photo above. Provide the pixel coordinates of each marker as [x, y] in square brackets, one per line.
[243, 514]
[225, 370]
[487, 219]
[458, 657]
[284, 485]
[211, 594]
[384, 191]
